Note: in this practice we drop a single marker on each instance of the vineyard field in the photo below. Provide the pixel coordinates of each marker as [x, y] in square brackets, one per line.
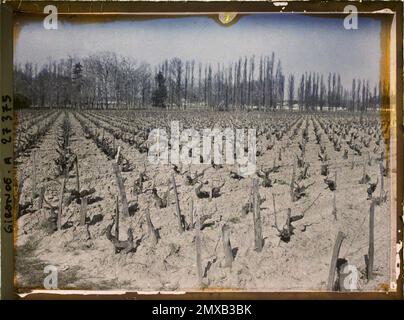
[92, 205]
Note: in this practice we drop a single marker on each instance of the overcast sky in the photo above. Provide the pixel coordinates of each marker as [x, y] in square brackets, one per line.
[303, 43]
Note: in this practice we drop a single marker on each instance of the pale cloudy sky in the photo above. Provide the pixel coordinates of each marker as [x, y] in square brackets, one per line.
[302, 42]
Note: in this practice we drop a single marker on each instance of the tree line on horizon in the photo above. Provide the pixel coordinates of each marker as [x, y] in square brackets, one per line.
[106, 81]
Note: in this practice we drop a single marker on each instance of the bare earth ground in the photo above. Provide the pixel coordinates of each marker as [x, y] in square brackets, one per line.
[85, 258]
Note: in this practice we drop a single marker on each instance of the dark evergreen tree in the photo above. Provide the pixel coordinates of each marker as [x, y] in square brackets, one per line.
[160, 93]
[77, 82]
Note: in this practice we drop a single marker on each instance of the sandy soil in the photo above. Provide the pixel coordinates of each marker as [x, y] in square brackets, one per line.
[86, 259]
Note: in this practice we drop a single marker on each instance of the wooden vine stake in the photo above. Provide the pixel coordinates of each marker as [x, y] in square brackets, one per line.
[191, 212]
[257, 218]
[19, 192]
[62, 190]
[198, 250]
[83, 211]
[369, 258]
[122, 195]
[292, 182]
[152, 232]
[77, 177]
[335, 179]
[228, 254]
[334, 205]
[334, 260]
[117, 154]
[33, 175]
[177, 204]
[381, 198]
[41, 197]
[273, 203]
[364, 169]
[210, 190]
[117, 217]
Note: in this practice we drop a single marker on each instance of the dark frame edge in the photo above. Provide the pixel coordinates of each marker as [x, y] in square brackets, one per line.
[400, 145]
[164, 6]
[82, 7]
[6, 153]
